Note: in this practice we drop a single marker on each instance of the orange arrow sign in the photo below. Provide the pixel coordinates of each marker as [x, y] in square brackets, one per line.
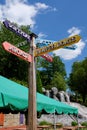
[16, 51]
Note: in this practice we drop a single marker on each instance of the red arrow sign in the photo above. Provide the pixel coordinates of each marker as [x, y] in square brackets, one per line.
[16, 51]
[47, 57]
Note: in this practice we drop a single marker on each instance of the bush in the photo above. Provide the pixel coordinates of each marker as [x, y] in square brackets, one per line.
[45, 123]
[84, 124]
[74, 123]
[59, 125]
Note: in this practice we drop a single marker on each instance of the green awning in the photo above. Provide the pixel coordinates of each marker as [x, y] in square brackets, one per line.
[15, 97]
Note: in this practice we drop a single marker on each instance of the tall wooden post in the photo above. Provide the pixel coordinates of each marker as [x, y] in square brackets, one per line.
[32, 111]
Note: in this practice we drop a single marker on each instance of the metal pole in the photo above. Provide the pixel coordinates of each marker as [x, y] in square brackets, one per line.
[77, 121]
[32, 111]
[54, 121]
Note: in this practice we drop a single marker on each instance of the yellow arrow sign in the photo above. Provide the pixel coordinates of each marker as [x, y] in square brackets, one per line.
[57, 45]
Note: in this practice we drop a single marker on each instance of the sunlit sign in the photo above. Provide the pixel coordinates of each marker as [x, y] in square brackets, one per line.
[57, 45]
[15, 29]
[16, 51]
[43, 42]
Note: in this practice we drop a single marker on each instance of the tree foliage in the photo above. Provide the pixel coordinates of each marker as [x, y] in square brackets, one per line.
[78, 78]
[10, 65]
[38, 82]
[48, 72]
[58, 82]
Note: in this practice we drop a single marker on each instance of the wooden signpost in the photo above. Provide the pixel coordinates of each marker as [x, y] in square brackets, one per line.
[32, 110]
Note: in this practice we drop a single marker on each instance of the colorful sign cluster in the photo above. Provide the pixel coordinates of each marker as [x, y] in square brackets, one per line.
[37, 52]
[57, 45]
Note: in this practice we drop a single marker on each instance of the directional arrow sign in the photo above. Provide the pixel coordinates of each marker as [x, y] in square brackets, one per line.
[57, 45]
[47, 57]
[71, 47]
[16, 51]
[43, 42]
[15, 29]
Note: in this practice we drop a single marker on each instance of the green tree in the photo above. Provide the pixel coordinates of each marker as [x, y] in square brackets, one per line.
[78, 78]
[48, 69]
[38, 82]
[10, 65]
[59, 82]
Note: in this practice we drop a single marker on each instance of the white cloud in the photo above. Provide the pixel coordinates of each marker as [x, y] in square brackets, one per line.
[21, 12]
[0, 12]
[42, 35]
[41, 6]
[71, 54]
[73, 31]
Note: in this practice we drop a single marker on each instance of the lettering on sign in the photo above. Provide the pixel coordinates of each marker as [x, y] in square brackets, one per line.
[16, 51]
[15, 29]
[57, 45]
[43, 42]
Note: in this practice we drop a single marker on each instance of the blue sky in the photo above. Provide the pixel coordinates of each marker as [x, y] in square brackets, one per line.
[52, 20]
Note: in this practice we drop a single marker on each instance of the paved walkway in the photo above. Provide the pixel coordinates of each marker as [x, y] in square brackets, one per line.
[13, 127]
[22, 127]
